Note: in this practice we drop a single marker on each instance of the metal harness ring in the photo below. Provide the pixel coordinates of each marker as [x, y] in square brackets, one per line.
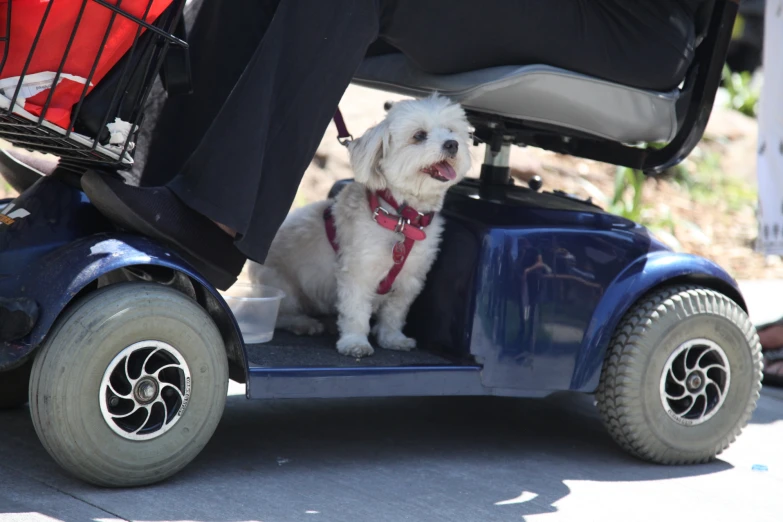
[401, 224]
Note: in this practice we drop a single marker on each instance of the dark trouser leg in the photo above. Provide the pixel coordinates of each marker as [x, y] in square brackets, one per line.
[222, 41]
[247, 169]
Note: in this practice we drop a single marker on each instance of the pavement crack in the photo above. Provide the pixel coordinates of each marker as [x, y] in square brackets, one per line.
[67, 493]
[99, 508]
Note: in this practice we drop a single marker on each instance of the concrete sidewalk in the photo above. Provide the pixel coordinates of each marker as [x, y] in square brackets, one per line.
[435, 459]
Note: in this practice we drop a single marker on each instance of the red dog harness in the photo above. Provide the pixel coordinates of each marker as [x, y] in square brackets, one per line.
[408, 222]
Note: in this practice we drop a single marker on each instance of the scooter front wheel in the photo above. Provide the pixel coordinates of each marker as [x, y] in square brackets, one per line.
[130, 385]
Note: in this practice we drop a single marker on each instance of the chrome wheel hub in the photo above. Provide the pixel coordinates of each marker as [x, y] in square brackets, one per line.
[695, 381]
[145, 390]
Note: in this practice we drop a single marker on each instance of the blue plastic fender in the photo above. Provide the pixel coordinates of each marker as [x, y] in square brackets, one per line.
[639, 278]
[57, 277]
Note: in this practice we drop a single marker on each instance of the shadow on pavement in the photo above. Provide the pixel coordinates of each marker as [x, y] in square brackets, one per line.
[372, 459]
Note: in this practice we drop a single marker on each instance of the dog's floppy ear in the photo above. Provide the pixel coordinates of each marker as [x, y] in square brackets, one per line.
[366, 154]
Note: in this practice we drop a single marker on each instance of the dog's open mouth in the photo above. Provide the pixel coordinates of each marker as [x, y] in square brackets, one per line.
[442, 171]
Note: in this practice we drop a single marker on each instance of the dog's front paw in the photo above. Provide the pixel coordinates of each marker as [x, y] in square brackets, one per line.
[395, 340]
[354, 346]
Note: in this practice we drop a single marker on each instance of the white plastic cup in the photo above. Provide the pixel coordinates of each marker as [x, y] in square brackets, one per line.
[255, 308]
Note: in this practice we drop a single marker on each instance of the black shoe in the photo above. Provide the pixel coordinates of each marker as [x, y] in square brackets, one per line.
[17, 317]
[159, 214]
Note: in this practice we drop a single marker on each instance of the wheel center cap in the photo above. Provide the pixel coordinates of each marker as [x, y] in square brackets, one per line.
[146, 390]
[694, 381]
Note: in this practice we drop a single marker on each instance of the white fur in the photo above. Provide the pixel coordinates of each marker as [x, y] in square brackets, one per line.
[318, 282]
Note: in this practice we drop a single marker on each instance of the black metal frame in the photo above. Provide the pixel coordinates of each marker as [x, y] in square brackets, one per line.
[35, 135]
[693, 108]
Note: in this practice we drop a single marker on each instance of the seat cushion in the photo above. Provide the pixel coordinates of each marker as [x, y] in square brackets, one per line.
[537, 93]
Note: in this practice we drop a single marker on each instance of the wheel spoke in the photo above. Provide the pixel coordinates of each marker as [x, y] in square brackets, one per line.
[118, 394]
[147, 420]
[681, 382]
[165, 386]
[159, 400]
[128, 377]
[157, 373]
[710, 351]
[148, 407]
[695, 403]
[710, 381]
[127, 370]
[714, 385]
[698, 360]
[685, 361]
[146, 360]
[685, 393]
[136, 408]
[712, 366]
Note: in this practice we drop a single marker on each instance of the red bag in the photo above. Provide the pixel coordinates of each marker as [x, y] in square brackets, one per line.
[26, 19]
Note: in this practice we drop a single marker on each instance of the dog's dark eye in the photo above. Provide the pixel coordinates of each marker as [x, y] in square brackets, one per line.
[420, 136]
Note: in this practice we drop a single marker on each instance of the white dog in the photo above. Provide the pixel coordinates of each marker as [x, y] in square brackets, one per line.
[339, 257]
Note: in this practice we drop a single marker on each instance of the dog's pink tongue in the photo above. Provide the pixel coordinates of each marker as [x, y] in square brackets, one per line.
[445, 170]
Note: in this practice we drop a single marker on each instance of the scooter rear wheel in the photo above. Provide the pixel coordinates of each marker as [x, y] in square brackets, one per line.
[130, 385]
[682, 376]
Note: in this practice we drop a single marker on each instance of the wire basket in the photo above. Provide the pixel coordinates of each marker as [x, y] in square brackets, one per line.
[87, 105]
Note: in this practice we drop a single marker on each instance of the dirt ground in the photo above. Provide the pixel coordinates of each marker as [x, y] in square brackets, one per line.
[716, 221]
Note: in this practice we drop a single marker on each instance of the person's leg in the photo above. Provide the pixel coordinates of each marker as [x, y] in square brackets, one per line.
[245, 172]
[223, 39]
[648, 44]
[769, 170]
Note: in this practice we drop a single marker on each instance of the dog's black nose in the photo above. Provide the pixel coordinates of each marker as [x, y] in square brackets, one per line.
[451, 146]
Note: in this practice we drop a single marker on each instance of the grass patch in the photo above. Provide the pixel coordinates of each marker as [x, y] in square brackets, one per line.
[708, 184]
[703, 180]
[741, 92]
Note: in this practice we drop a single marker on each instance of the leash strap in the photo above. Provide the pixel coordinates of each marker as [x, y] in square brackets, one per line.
[343, 136]
[331, 230]
[399, 255]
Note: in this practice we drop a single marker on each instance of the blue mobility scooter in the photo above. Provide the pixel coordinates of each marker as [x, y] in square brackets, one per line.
[124, 350]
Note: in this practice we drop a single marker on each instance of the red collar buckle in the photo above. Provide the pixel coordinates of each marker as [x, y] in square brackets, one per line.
[408, 221]
[398, 224]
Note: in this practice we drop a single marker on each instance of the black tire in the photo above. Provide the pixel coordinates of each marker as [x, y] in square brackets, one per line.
[13, 386]
[631, 395]
[68, 392]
